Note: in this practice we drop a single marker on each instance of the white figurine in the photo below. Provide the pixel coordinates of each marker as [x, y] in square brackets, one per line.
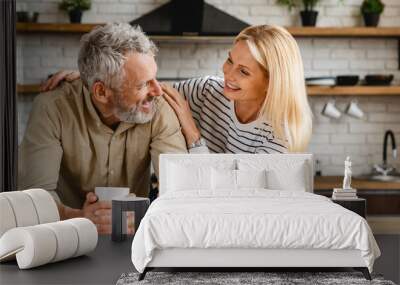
[347, 174]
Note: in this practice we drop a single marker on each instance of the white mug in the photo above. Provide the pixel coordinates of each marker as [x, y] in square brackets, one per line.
[331, 111]
[354, 110]
[108, 193]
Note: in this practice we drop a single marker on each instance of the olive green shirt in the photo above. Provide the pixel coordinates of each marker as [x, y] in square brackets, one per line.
[67, 148]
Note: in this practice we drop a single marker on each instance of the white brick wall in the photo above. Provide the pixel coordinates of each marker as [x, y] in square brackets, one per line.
[362, 139]
[41, 54]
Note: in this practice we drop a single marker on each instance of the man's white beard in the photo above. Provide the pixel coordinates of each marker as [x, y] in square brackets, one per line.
[134, 115]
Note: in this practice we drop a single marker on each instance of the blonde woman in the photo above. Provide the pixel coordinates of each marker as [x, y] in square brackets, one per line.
[260, 106]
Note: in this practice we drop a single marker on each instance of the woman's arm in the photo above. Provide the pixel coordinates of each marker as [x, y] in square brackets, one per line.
[182, 109]
[55, 79]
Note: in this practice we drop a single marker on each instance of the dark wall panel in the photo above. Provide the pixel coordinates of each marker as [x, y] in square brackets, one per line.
[8, 108]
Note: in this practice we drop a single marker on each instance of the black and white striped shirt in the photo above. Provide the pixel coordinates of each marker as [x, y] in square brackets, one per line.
[215, 116]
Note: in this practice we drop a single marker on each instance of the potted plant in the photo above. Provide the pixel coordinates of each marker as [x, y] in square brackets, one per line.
[371, 11]
[75, 8]
[308, 15]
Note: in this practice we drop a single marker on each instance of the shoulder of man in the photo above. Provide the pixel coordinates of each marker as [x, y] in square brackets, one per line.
[164, 116]
[163, 109]
[61, 97]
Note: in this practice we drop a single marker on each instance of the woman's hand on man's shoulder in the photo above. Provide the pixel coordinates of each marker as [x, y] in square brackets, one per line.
[54, 80]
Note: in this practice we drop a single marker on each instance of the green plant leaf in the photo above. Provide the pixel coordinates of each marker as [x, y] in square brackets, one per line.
[71, 5]
[308, 5]
[372, 6]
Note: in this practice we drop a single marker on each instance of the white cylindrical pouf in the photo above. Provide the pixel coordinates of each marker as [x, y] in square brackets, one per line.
[67, 239]
[23, 207]
[87, 235]
[45, 205]
[40, 244]
[7, 217]
[34, 246]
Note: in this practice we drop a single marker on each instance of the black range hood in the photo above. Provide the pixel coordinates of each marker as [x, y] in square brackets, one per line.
[189, 18]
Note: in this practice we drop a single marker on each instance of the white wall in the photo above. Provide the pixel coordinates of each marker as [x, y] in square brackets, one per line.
[332, 12]
[42, 54]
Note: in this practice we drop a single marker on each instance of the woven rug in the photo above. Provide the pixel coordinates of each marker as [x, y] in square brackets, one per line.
[273, 278]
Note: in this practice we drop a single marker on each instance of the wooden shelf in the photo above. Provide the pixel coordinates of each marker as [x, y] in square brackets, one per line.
[295, 31]
[311, 90]
[28, 88]
[55, 27]
[84, 28]
[330, 182]
[345, 32]
[194, 39]
[353, 90]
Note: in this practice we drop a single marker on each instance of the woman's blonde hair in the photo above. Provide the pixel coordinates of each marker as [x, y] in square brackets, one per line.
[285, 106]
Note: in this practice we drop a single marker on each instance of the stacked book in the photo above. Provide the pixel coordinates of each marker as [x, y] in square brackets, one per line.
[344, 194]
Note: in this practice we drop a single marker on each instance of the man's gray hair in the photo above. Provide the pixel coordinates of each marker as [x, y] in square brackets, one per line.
[103, 52]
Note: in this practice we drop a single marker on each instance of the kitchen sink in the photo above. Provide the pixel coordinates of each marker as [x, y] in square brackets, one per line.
[385, 172]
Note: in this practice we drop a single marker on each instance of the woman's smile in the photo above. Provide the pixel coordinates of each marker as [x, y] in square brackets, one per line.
[230, 87]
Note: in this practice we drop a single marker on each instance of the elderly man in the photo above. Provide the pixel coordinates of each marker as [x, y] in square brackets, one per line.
[102, 130]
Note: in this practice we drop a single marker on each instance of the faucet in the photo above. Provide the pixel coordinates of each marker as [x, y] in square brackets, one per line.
[384, 168]
[390, 134]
